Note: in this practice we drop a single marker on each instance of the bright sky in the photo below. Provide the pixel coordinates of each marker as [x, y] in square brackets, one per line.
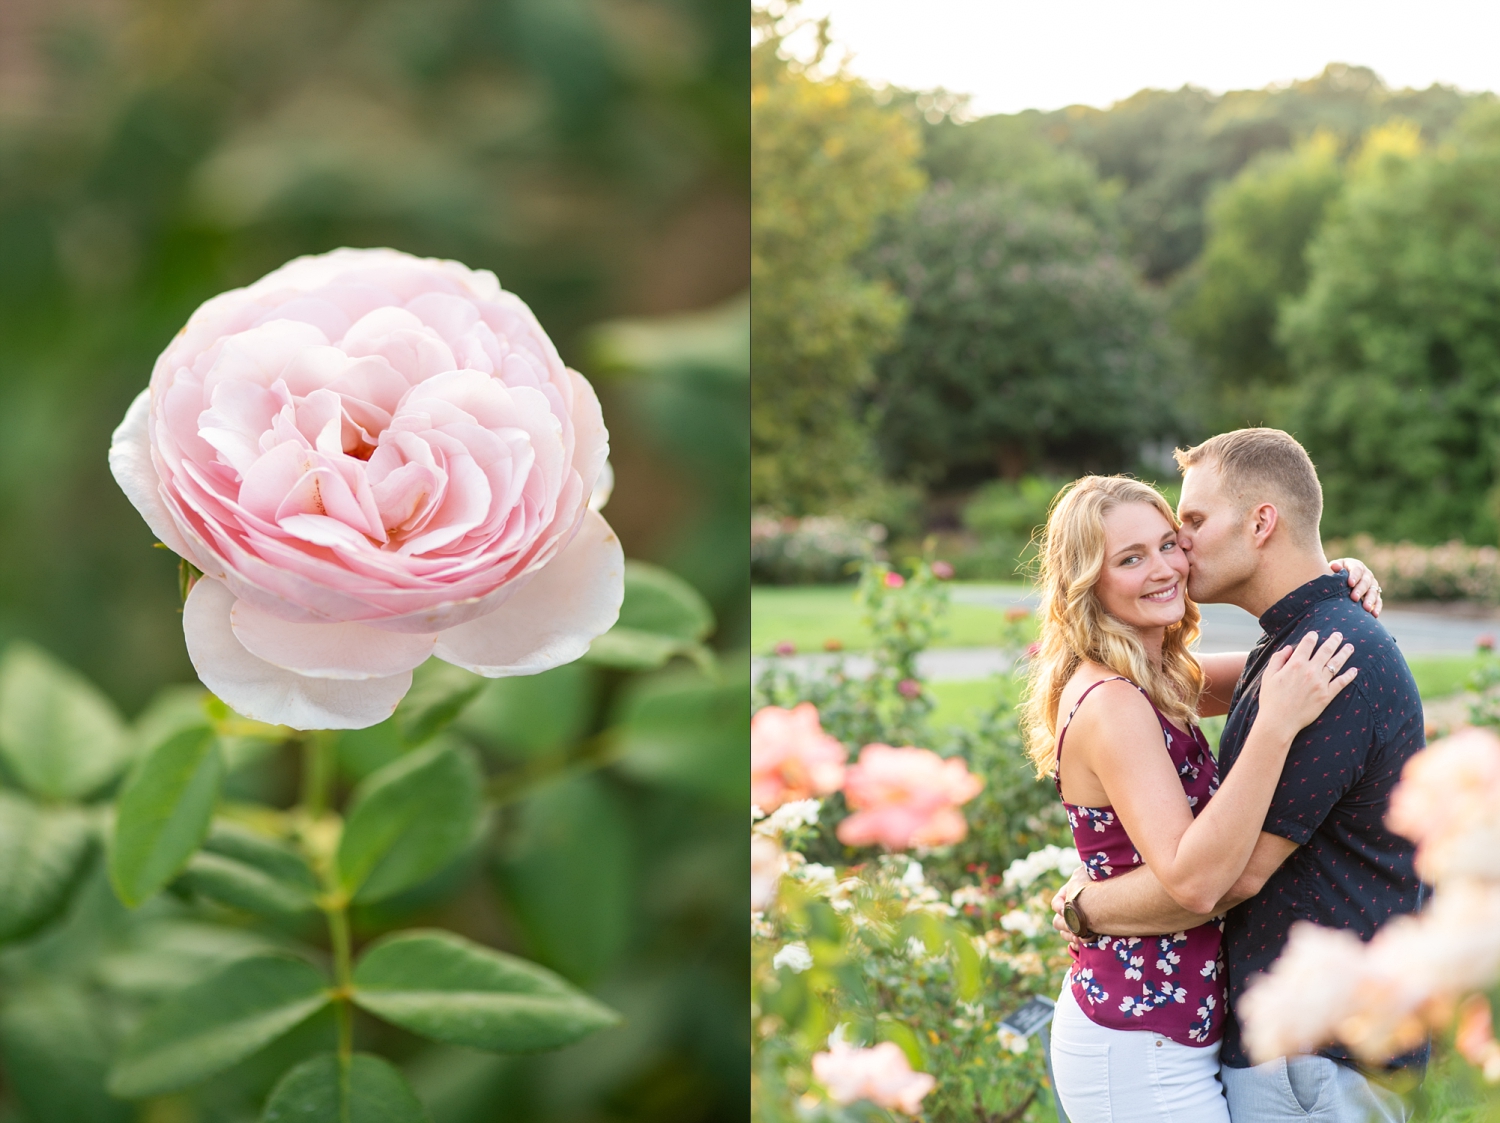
[1045, 54]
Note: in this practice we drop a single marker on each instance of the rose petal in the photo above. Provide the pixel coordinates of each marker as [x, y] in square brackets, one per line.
[568, 603]
[334, 651]
[130, 462]
[268, 693]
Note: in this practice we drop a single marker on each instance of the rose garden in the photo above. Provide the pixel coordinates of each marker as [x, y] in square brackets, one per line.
[958, 312]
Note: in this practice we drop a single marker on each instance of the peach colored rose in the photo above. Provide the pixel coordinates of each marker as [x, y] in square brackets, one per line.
[1446, 804]
[373, 458]
[881, 1075]
[906, 797]
[1474, 1036]
[791, 757]
[1381, 997]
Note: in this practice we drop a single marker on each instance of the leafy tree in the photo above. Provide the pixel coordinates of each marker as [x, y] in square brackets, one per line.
[1395, 345]
[1259, 226]
[1013, 151]
[1170, 149]
[1030, 342]
[828, 162]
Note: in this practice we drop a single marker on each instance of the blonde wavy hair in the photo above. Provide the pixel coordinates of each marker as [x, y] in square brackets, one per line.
[1075, 627]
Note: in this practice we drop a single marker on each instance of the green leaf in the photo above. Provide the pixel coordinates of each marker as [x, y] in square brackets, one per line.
[363, 751]
[43, 854]
[662, 616]
[681, 730]
[60, 735]
[569, 875]
[377, 1093]
[526, 716]
[171, 710]
[453, 990]
[56, 1049]
[164, 813]
[409, 820]
[439, 691]
[239, 867]
[206, 1027]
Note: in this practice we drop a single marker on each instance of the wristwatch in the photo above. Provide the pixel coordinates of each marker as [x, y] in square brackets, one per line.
[1073, 916]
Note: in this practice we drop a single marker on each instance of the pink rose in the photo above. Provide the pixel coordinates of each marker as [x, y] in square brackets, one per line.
[881, 1075]
[791, 757]
[373, 458]
[906, 797]
[894, 580]
[942, 570]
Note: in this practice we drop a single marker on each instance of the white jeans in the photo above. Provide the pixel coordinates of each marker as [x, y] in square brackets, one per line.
[1131, 1076]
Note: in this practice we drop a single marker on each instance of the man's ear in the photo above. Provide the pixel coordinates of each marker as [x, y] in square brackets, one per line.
[1264, 518]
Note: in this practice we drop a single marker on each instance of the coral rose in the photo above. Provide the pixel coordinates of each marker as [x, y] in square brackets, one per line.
[791, 757]
[881, 1075]
[373, 458]
[906, 797]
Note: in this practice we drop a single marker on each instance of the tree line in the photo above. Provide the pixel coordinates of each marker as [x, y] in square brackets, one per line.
[942, 300]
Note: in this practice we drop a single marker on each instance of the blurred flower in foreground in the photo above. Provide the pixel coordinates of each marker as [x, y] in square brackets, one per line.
[1448, 802]
[894, 580]
[1475, 1036]
[1485, 642]
[767, 864]
[909, 688]
[785, 647]
[881, 1075]
[906, 797]
[1382, 997]
[373, 458]
[942, 570]
[791, 757]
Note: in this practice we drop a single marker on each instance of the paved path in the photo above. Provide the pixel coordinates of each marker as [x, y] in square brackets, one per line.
[1225, 628]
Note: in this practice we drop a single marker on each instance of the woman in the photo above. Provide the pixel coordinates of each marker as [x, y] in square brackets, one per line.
[1111, 715]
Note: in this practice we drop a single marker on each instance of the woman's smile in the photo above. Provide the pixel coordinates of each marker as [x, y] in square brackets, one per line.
[1163, 596]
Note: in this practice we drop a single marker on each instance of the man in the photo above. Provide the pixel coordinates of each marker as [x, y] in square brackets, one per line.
[1250, 509]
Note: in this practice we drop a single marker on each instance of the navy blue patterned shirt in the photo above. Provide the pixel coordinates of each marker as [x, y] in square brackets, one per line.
[1348, 871]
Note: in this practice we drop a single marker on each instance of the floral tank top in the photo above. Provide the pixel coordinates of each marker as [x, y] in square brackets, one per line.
[1171, 984]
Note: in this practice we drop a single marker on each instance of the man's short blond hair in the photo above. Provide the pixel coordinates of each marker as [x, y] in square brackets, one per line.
[1265, 466]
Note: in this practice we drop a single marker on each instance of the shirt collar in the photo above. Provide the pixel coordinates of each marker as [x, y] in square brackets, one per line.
[1296, 604]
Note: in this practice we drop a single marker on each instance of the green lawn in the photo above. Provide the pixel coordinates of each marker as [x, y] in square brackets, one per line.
[960, 703]
[1438, 676]
[807, 616]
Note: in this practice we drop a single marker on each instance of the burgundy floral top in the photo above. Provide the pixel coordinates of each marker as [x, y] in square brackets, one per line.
[1171, 984]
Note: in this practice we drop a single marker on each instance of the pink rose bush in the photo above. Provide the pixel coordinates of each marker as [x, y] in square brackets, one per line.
[373, 458]
[964, 953]
[881, 1075]
[791, 757]
[1381, 998]
[906, 797]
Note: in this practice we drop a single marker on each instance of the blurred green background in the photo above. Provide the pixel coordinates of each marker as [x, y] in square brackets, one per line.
[594, 154]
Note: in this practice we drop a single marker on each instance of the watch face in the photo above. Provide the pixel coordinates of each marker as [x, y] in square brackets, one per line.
[1072, 919]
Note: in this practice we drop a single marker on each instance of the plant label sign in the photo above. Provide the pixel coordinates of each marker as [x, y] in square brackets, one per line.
[1029, 1017]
